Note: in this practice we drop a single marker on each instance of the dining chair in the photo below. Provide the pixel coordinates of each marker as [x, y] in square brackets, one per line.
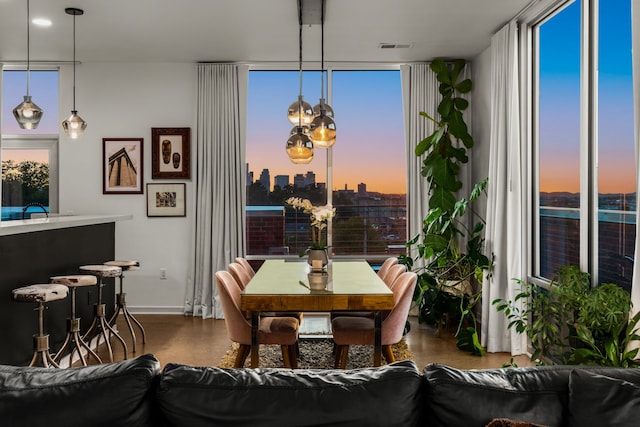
[243, 262]
[393, 273]
[273, 330]
[240, 274]
[386, 265]
[360, 330]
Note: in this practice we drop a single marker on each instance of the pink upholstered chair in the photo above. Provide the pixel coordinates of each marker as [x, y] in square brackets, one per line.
[393, 273]
[273, 330]
[386, 265]
[243, 262]
[240, 274]
[359, 330]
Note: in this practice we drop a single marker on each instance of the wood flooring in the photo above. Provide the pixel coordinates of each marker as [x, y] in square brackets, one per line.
[203, 342]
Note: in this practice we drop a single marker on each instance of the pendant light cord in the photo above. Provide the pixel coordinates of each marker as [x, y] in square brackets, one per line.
[300, 61]
[322, 56]
[74, 62]
[28, 44]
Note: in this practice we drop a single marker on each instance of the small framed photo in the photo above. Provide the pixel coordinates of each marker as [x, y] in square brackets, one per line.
[170, 153]
[166, 200]
[122, 162]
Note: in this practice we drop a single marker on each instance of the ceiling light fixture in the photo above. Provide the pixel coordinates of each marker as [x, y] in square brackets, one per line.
[27, 113]
[74, 126]
[299, 146]
[322, 129]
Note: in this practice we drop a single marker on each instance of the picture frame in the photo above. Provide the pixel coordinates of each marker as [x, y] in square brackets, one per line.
[166, 199]
[171, 153]
[122, 165]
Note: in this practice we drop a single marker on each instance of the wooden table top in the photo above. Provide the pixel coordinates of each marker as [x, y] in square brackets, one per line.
[281, 285]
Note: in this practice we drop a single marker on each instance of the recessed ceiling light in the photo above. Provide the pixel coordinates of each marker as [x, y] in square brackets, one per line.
[41, 22]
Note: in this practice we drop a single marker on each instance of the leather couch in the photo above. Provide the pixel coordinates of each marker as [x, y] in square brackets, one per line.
[136, 393]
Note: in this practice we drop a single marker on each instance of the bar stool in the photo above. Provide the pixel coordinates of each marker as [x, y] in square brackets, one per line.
[122, 303]
[41, 294]
[100, 327]
[73, 341]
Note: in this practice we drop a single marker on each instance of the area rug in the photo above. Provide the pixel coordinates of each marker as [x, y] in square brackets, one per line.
[316, 353]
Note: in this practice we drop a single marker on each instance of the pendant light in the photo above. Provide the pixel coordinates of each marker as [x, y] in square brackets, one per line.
[299, 146]
[27, 113]
[74, 126]
[322, 129]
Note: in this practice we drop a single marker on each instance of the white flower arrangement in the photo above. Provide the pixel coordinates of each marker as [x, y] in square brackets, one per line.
[319, 216]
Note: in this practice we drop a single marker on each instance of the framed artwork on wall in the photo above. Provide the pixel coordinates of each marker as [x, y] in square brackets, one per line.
[170, 153]
[122, 161]
[166, 199]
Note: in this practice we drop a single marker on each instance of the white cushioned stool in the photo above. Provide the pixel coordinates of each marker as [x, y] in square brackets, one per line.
[41, 294]
[73, 341]
[100, 328]
[122, 303]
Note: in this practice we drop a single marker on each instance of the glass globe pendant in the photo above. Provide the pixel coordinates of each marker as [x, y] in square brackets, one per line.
[300, 111]
[74, 125]
[322, 131]
[300, 147]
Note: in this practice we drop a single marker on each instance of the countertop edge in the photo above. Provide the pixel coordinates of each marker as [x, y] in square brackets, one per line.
[8, 228]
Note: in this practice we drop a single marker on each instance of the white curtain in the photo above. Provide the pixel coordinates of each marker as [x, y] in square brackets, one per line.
[635, 39]
[219, 182]
[419, 93]
[505, 229]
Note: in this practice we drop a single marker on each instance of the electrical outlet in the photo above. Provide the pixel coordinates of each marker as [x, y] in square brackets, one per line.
[163, 273]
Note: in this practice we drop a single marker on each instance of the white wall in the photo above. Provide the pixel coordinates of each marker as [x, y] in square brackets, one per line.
[125, 100]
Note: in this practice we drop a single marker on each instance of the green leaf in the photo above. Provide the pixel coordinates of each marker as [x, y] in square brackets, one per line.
[438, 66]
[458, 65]
[464, 86]
[445, 106]
[423, 114]
[478, 189]
[426, 143]
[444, 175]
[457, 126]
[436, 242]
[460, 103]
[443, 199]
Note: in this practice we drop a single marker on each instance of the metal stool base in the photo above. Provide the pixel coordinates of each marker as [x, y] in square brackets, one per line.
[128, 317]
[101, 329]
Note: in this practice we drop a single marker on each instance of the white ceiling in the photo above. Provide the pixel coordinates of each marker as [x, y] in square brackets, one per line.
[251, 30]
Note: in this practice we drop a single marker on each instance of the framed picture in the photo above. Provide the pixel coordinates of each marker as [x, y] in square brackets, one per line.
[122, 162]
[170, 153]
[166, 200]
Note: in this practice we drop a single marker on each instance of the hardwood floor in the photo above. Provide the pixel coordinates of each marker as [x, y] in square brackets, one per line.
[203, 342]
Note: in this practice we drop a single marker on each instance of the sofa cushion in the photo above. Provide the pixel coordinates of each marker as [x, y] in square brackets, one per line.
[474, 398]
[596, 399]
[385, 396]
[116, 394]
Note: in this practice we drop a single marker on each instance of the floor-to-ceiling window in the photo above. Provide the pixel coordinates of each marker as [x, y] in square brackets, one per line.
[363, 178]
[584, 194]
[29, 157]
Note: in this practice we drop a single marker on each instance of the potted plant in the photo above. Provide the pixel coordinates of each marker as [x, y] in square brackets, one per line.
[319, 216]
[450, 282]
[569, 322]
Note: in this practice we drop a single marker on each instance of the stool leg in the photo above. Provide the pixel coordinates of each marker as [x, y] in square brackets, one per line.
[128, 317]
[41, 342]
[73, 340]
[101, 328]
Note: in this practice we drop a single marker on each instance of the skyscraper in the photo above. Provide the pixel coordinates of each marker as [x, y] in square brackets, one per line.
[281, 181]
[265, 179]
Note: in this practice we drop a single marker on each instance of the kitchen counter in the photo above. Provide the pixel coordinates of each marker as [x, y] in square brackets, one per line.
[55, 222]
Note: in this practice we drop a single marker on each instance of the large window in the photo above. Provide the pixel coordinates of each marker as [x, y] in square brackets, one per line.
[585, 195]
[29, 157]
[365, 170]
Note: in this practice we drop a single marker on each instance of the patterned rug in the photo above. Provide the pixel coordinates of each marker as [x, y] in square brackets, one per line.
[316, 353]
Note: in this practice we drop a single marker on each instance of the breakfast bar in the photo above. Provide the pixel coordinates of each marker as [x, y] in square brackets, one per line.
[33, 250]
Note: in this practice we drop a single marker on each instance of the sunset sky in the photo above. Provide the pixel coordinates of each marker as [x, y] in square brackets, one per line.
[560, 101]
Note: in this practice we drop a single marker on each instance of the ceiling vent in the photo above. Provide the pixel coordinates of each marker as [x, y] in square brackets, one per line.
[395, 45]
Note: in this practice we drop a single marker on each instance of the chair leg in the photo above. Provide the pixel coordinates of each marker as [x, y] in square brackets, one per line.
[293, 355]
[337, 350]
[243, 352]
[344, 355]
[388, 354]
[286, 356]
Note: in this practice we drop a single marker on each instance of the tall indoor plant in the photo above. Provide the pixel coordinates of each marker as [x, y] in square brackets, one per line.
[452, 251]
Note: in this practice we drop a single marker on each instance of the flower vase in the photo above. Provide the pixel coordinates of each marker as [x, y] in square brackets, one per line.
[317, 255]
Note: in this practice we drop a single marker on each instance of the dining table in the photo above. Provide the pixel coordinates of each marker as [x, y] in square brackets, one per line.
[284, 285]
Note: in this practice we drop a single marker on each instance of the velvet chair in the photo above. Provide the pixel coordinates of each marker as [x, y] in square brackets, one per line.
[273, 330]
[240, 274]
[243, 262]
[392, 274]
[386, 265]
[359, 330]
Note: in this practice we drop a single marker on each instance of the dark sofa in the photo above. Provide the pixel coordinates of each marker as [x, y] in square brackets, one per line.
[135, 393]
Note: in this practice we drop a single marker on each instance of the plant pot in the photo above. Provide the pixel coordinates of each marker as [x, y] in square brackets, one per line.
[318, 281]
[319, 256]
